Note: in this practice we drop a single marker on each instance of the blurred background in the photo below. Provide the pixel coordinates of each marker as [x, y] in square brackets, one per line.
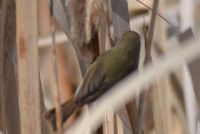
[170, 107]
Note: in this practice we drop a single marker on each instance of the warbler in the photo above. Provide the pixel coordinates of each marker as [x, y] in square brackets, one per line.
[109, 68]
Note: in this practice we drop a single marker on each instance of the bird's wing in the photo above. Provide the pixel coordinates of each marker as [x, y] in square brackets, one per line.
[90, 88]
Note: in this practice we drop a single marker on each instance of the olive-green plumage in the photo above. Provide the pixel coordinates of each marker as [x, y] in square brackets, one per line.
[112, 66]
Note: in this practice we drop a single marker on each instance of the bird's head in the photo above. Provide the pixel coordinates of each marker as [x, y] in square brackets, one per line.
[130, 40]
[131, 36]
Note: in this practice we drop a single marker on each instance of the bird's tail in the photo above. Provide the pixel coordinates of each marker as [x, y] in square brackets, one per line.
[67, 109]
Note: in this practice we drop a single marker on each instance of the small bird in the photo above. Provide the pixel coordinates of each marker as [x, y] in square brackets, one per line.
[111, 67]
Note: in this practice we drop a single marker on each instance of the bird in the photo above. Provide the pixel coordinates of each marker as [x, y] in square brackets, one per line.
[110, 67]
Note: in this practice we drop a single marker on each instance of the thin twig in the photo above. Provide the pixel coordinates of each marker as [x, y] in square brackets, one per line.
[142, 98]
[151, 30]
[156, 95]
[57, 90]
[148, 44]
[145, 40]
